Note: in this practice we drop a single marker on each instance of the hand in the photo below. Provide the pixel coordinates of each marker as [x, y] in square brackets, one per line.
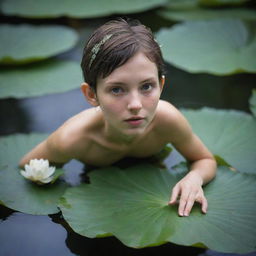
[190, 190]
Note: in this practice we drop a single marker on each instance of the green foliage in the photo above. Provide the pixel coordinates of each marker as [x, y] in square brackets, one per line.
[15, 191]
[131, 204]
[228, 134]
[200, 13]
[26, 43]
[77, 9]
[13, 147]
[252, 102]
[221, 2]
[38, 79]
[185, 4]
[25, 196]
[219, 47]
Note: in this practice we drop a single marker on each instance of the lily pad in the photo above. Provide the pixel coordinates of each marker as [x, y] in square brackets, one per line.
[184, 4]
[39, 79]
[252, 102]
[26, 43]
[131, 204]
[18, 193]
[228, 134]
[77, 9]
[220, 47]
[13, 147]
[206, 13]
[222, 2]
[22, 195]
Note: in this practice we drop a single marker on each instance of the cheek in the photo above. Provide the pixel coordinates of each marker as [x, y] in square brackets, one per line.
[112, 108]
[152, 102]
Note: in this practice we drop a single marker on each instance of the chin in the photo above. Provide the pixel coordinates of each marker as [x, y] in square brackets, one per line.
[135, 131]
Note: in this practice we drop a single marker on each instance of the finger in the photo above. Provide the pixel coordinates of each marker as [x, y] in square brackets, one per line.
[183, 202]
[189, 204]
[175, 194]
[204, 205]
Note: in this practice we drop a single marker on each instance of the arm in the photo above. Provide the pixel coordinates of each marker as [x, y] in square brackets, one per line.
[50, 149]
[202, 170]
[202, 162]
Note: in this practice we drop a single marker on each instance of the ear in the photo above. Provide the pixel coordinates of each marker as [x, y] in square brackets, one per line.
[162, 82]
[89, 94]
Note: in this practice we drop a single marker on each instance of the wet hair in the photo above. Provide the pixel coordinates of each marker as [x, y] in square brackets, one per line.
[113, 44]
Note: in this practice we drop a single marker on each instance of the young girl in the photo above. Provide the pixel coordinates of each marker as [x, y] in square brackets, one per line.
[123, 68]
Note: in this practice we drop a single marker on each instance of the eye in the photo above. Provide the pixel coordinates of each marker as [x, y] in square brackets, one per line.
[146, 87]
[116, 90]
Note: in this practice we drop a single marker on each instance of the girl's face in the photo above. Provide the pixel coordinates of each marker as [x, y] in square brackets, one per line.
[129, 96]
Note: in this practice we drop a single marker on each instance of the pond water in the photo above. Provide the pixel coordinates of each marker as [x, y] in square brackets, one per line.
[24, 234]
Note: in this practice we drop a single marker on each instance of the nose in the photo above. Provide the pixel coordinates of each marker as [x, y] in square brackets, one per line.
[134, 103]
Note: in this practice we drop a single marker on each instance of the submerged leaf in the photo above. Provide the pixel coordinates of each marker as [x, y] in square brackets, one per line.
[228, 134]
[131, 204]
[220, 47]
[40, 79]
[26, 43]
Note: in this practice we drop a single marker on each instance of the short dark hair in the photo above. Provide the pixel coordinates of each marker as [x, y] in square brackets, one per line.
[113, 44]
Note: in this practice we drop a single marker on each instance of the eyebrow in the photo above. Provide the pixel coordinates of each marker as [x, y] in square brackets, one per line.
[150, 79]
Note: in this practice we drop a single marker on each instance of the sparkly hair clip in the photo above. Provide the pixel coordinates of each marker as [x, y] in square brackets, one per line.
[96, 48]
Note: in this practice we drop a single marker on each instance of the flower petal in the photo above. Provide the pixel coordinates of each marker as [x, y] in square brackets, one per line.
[47, 180]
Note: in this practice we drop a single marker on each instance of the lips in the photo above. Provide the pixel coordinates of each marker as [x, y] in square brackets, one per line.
[135, 121]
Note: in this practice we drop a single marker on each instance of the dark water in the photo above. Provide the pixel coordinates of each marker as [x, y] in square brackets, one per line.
[24, 234]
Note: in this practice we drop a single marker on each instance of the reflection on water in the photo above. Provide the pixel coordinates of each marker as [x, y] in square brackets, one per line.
[24, 234]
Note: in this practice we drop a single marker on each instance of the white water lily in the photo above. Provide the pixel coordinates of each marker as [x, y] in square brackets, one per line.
[39, 171]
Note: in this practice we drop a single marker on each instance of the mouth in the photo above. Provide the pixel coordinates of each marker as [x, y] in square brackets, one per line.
[135, 121]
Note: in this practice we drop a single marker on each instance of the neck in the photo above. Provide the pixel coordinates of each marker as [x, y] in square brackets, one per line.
[116, 136]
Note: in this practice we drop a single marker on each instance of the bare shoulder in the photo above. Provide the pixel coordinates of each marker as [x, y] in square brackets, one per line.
[170, 121]
[169, 114]
[74, 135]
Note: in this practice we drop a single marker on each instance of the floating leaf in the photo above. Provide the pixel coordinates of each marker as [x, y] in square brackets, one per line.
[22, 195]
[39, 79]
[18, 193]
[14, 147]
[26, 43]
[132, 205]
[77, 9]
[219, 47]
[205, 13]
[252, 102]
[229, 134]
[182, 4]
[221, 2]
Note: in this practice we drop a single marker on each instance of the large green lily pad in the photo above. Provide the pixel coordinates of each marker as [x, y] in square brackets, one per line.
[18, 193]
[185, 4]
[206, 13]
[220, 47]
[78, 8]
[26, 43]
[229, 134]
[47, 77]
[131, 204]
[222, 2]
[13, 147]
